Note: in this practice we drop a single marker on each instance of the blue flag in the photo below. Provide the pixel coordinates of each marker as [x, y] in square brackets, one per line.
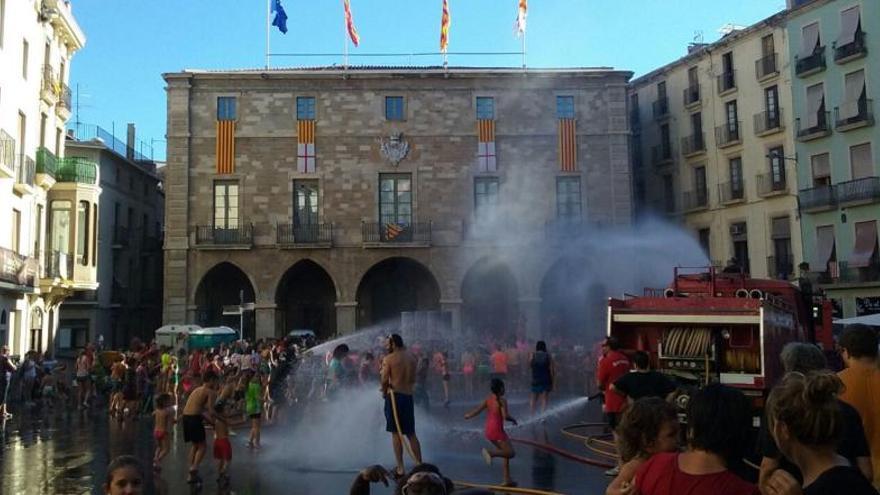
[280, 16]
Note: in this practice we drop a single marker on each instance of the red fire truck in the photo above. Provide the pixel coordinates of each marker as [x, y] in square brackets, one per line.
[711, 326]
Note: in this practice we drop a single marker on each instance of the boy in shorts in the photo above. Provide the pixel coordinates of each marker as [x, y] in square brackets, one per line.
[198, 407]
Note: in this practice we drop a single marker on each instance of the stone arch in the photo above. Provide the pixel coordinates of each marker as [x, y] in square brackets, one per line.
[222, 286]
[394, 285]
[490, 299]
[306, 299]
[572, 300]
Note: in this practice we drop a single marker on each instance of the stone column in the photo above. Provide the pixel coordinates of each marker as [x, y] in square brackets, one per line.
[453, 306]
[264, 319]
[346, 317]
[530, 309]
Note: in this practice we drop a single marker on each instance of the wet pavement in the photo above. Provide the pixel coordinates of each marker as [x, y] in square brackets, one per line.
[66, 452]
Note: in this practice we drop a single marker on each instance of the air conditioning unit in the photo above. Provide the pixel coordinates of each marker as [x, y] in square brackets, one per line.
[738, 229]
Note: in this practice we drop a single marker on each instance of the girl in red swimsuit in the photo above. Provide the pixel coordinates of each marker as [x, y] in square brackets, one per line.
[497, 409]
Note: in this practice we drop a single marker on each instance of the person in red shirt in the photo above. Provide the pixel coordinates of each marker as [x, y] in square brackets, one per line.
[612, 365]
[499, 364]
[718, 419]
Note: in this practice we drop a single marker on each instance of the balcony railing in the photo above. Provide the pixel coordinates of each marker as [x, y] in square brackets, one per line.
[309, 235]
[727, 134]
[46, 162]
[694, 200]
[768, 185]
[780, 267]
[850, 51]
[25, 170]
[661, 107]
[85, 132]
[209, 235]
[811, 64]
[865, 190]
[59, 265]
[7, 152]
[661, 154]
[766, 122]
[64, 98]
[853, 114]
[691, 145]
[79, 170]
[393, 233]
[18, 269]
[727, 81]
[50, 89]
[731, 192]
[121, 236]
[691, 95]
[817, 198]
[821, 128]
[766, 66]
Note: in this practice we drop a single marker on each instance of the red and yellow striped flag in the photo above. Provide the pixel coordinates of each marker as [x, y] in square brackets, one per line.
[349, 24]
[521, 17]
[568, 145]
[305, 146]
[225, 147]
[444, 27]
[486, 159]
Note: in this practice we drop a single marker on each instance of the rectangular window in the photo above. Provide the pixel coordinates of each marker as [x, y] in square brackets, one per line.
[16, 230]
[22, 131]
[771, 104]
[736, 178]
[727, 62]
[777, 167]
[565, 107]
[226, 205]
[702, 194]
[305, 108]
[821, 169]
[82, 233]
[394, 108]
[783, 261]
[2, 20]
[850, 25]
[305, 201]
[668, 194]
[485, 196]
[43, 119]
[854, 90]
[226, 108]
[810, 40]
[58, 134]
[739, 236]
[661, 90]
[815, 105]
[485, 108]
[767, 45]
[705, 241]
[24, 59]
[568, 198]
[60, 224]
[395, 199]
[693, 77]
[665, 141]
[38, 234]
[860, 161]
[732, 118]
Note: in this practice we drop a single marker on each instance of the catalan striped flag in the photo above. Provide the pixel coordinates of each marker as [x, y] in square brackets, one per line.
[568, 145]
[349, 24]
[225, 147]
[444, 27]
[392, 230]
[521, 18]
[305, 146]
[486, 159]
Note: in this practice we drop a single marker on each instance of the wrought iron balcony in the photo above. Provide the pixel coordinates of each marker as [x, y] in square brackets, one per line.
[694, 144]
[691, 95]
[851, 51]
[727, 82]
[661, 107]
[732, 192]
[63, 107]
[240, 236]
[864, 190]
[47, 163]
[25, 171]
[79, 170]
[728, 134]
[7, 155]
[50, 89]
[817, 198]
[854, 114]
[811, 64]
[59, 265]
[821, 128]
[766, 67]
[121, 236]
[768, 185]
[768, 122]
[661, 154]
[780, 267]
[695, 200]
[312, 235]
[396, 233]
[18, 269]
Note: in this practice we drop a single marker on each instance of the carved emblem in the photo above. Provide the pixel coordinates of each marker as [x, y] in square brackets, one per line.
[395, 148]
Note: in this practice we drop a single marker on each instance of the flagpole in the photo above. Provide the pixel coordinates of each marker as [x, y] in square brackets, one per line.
[268, 27]
[524, 50]
[344, 38]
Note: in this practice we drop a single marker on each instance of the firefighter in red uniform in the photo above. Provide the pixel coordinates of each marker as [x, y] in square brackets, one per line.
[612, 365]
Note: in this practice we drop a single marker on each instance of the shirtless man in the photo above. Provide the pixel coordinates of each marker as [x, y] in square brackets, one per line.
[199, 407]
[398, 374]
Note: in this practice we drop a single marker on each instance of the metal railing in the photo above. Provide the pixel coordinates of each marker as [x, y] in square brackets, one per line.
[290, 234]
[50, 85]
[814, 62]
[817, 197]
[767, 121]
[64, 98]
[858, 190]
[242, 235]
[59, 265]
[7, 149]
[693, 144]
[822, 126]
[385, 232]
[121, 235]
[76, 169]
[780, 267]
[860, 111]
[692, 200]
[47, 163]
[85, 132]
[25, 170]
[766, 65]
[858, 47]
[769, 185]
[727, 134]
[727, 81]
[661, 107]
[18, 269]
[691, 95]
[731, 191]
[661, 154]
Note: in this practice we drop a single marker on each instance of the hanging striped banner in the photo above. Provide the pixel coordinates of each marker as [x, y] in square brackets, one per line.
[445, 20]
[305, 146]
[225, 147]
[349, 24]
[486, 159]
[568, 145]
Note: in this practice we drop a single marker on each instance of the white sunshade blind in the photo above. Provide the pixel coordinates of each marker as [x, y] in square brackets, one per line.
[809, 40]
[824, 247]
[815, 97]
[860, 158]
[821, 166]
[865, 245]
[849, 24]
[854, 88]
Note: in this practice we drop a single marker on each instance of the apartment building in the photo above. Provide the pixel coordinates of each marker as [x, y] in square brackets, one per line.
[335, 199]
[48, 201]
[128, 300]
[835, 73]
[713, 148]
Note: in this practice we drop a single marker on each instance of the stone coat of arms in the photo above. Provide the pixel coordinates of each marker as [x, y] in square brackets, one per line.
[394, 148]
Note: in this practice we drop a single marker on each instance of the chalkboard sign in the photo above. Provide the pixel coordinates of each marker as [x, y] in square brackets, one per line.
[867, 306]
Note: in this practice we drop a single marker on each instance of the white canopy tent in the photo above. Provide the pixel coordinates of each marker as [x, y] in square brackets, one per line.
[871, 320]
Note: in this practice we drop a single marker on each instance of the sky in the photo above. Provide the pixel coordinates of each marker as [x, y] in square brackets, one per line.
[117, 77]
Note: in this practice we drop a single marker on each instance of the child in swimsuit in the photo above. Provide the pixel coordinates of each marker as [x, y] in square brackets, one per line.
[222, 447]
[496, 406]
[163, 415]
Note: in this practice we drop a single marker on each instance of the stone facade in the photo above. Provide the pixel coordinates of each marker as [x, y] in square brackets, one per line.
[439, 124]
